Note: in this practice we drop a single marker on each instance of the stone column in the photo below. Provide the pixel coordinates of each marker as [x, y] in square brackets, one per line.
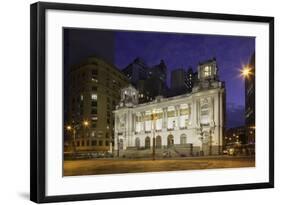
[212, 109]
[143, 122]
[189, 114]
[164, 120]
[177, 109]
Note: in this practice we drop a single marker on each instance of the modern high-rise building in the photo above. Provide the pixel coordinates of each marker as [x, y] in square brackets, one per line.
[136, 71]
[250, 101]
[149, 81]
[191, 78]
[179, 79]
[158, 71]
[94, 91]
[182, 81]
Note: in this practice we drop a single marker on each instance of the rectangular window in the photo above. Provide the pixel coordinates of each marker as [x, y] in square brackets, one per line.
[107, 143]
[207, 71]
[94, 103]
[94, 142]
[100, 143]
[94, 96]
[94, 111]
[94, 72]
[95, 79]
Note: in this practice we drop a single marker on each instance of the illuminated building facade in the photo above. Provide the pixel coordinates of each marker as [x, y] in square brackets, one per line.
[188, 124]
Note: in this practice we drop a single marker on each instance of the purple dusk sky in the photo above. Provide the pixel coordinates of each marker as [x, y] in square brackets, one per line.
[177, 50]
[184, 50]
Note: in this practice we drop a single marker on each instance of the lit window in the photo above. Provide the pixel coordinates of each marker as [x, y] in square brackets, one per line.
[81, 97]
[94, 79]
[94, 118]
[94, 96]
[207, 71]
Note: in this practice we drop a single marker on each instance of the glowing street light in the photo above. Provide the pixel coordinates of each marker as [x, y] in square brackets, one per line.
[68, 127]
[246, 72]
[86, 123]
[73, 130]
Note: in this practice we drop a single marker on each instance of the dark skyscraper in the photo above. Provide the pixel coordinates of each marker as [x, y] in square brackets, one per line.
[182, 81]
[156, 81]
[136, 71]
[149, 81]
[179, 79]
[250, 101]
[190, 79]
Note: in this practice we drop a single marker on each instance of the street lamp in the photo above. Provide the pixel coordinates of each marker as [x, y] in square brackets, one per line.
[154, 118]
[201, 138]
[85, 123]
[246, 71]
[68, 127]
[212, 131]
[74, 130]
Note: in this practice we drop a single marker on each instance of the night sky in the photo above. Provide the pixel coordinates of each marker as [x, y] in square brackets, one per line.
[177, 50]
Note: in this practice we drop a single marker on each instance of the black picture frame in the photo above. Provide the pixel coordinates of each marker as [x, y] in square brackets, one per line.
[38, 101]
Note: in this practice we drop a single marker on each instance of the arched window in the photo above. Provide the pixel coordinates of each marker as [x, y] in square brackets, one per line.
[183, 139]
[170, 140]
[158, 142]
[147, 142]
[137, 142]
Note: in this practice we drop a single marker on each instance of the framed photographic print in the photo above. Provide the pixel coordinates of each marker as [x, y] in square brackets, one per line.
[129, 102]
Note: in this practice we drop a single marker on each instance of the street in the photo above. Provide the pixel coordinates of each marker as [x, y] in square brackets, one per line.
[114, 166]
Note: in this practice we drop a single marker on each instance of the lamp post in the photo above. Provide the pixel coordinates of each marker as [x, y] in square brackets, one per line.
[74, 128]
[118, 145]
[201, 138]
[211, 131]
[246, 71]
[154, 117]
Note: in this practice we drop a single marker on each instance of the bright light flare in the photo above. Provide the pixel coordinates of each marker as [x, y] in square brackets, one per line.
[68, 127]
[246, 72]
[85, 123]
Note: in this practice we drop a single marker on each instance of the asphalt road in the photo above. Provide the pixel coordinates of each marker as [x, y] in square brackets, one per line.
[114, 166]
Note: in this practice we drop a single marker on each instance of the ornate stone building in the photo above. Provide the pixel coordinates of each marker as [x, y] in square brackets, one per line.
[187, 125]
